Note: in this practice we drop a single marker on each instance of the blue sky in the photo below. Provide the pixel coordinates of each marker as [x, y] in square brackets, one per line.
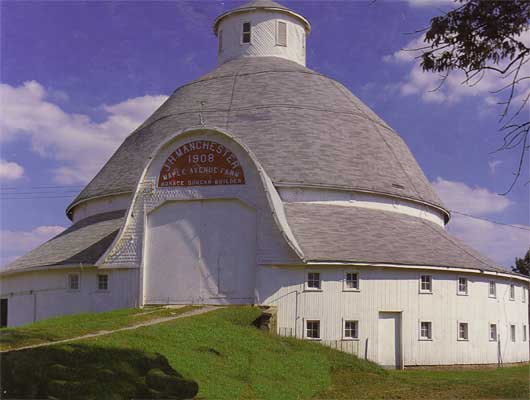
[77, 77]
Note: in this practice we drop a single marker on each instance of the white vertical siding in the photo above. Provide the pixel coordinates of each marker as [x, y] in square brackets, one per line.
[33, 296]
[397, 290]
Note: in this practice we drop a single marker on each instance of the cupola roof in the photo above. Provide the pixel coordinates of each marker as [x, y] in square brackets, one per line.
[261, 5]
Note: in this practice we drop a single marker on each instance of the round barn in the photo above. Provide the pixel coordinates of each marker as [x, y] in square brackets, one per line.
[267, 183]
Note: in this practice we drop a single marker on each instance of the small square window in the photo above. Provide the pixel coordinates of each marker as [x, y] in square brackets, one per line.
[313, 281]
[425, 330]
[313, 329]
[524, 333]
[103, 282]
[73, 281]
[512, 291]
[463, 331]
[462, 286]
[492, 289]
[426, 284]
[351, 281]
[512, 333]
[493, 332]
[246, 33]
[351, 329]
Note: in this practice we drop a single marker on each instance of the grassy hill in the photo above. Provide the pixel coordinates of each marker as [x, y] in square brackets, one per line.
[223, 355]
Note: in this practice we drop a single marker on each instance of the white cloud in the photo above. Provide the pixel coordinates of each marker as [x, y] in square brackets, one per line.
[470, 200]
[10, 171]
[74, 140]
[500, 243]
[13, 244]
[428, 85]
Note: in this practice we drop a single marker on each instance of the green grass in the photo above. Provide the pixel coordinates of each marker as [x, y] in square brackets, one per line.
[230, 359]
[53, 329]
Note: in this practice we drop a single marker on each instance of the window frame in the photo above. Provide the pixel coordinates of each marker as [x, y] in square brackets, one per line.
[306, 283]
[68, 281]
[243, 33]
[459, 338]
[513, 333]
[350, 338]
[278, 22]
[345, 287]
[493, 324]
[425, 291]
[494, 295]
[458, 291]
[511, 292]
[420, 333]
[98, 282]
[306, 329]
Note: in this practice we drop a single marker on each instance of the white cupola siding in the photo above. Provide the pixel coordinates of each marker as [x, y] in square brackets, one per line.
[261, 33]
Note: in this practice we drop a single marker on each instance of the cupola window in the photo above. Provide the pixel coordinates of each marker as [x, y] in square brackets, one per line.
[247, 33]
[220, 41]
[281, 34]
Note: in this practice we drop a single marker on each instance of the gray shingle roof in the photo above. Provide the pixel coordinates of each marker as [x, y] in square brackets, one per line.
[303, 127]
[354, 234]
[82, 243]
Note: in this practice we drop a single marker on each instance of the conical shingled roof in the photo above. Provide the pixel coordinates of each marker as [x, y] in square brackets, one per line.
[305, 129]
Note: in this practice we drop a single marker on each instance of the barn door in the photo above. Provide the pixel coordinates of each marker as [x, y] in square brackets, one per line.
[389, 344]
[200, 251]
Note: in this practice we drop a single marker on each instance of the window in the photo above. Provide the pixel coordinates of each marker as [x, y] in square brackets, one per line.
[313, 281]
[351, 281]
[524, 333]
[426, 284]
[512, 333]
[463, 331]
[425, 330]
[351, 329]
[73, 281]
[524, 295]
[493, 290]
[512, 291]
[313, 329]
[246, 33]
[220, 49]
[281, 34]
[493, 332]
[103, 282]
[462, 286]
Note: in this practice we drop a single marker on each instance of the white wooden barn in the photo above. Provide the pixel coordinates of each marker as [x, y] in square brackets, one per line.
[264, 182]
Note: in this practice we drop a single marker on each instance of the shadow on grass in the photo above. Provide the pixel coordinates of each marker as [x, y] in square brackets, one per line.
[90, 372]
[10, 338]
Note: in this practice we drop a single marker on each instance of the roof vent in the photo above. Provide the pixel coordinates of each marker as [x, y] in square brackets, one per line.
[396, 185]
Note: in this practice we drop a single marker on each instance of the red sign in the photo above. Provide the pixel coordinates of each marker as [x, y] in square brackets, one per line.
[201, 163]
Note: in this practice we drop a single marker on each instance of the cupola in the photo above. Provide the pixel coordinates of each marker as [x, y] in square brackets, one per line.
[261, 28]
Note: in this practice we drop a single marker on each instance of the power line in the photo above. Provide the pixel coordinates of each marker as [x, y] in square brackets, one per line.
[490, 221]
[41, 187]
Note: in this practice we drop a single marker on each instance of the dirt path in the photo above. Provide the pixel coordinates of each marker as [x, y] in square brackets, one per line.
[191, 313]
